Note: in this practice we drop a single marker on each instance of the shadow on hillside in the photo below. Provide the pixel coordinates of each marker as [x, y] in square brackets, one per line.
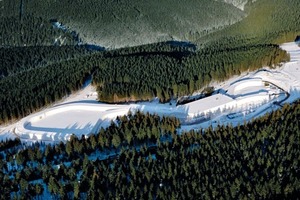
[81, 101]
[182, 44]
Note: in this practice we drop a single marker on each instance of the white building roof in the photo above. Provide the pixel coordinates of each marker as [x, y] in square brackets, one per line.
[207, 104]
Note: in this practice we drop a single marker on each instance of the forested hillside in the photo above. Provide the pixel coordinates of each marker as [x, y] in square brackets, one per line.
[19, 59]
[124, 23]
[138, 73]
[143, 76]
[25, 92]
[141, 156]
[32, 31]
[274, 21]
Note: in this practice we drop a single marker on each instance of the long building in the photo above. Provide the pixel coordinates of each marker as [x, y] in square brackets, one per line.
[208, 105]
[241, 95]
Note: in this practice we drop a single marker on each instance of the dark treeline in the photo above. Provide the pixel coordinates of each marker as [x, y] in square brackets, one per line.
[24, 92]
[174, 49]
[8, 144]
[32, 77]
[250, 161]
[143, 76]
[32, 31]
[18, 59]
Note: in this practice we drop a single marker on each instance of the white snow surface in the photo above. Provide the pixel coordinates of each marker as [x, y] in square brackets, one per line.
[240, 99]
[209, 104]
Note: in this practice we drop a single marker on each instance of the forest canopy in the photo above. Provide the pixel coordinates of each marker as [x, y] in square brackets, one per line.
[115, 24]
[135, 73]
[141, 156]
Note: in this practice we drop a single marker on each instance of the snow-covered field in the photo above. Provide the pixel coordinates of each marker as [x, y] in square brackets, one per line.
[240, 99]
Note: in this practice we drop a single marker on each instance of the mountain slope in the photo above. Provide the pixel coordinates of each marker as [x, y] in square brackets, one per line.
[32, 31]
[269, 21]
[122, 23]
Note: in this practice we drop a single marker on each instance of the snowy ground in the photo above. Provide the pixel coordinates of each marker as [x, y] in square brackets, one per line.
[284, 79]
[240, 99]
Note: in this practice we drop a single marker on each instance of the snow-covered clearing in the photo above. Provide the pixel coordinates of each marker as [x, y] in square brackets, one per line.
[239, 99]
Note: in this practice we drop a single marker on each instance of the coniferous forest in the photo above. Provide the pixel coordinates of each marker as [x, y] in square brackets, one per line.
[131, 74]
[141, 156]
[131, 22]
[120, 75]
[144, 156]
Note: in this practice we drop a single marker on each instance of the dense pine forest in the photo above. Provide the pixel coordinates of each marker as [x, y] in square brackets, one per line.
[134, 77]
[144, 156]
[122, 23]
[19, 59]
[141, 156]
[270, 21]
[136, 73]
[120, 75]
[32, 31]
